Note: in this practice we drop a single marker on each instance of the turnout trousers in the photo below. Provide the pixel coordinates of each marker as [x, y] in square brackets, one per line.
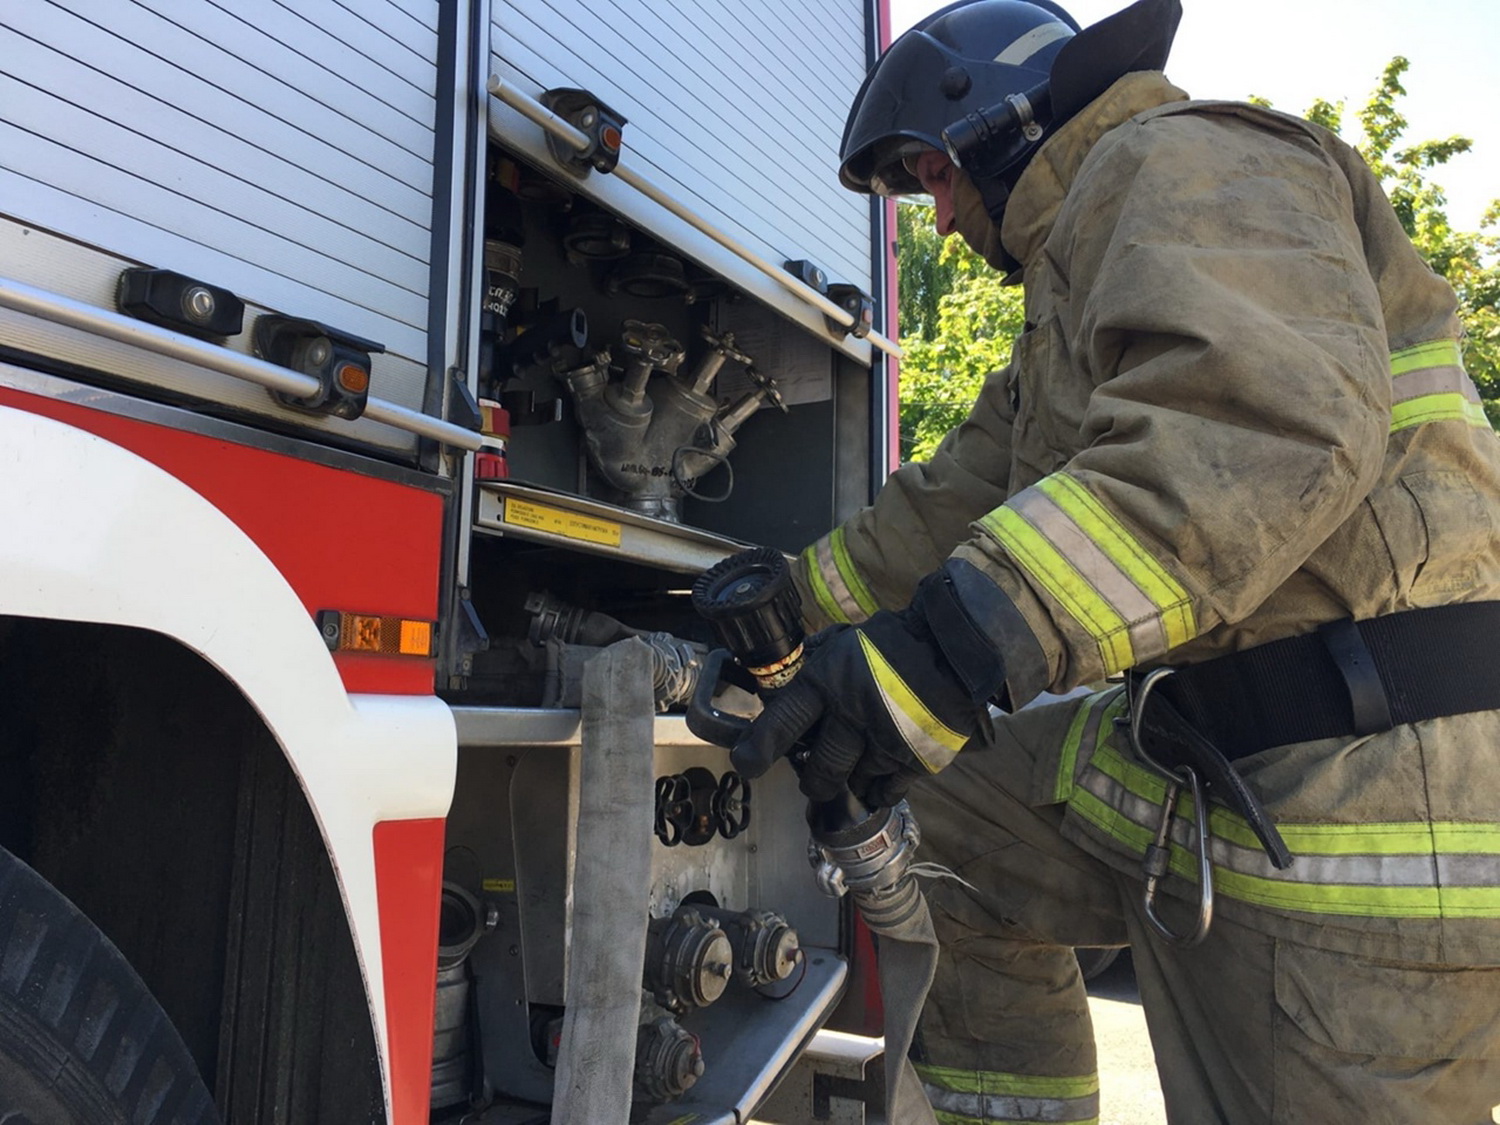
[1297, 1017]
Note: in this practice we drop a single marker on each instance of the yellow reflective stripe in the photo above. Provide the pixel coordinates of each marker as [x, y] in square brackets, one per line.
[821, 593]
[1096, 711]
[849, 574]
[1451, 407]
[986, 1097]
[944, 1118]
[999, 1082]
[1126, 552]
[1359, 901]
[1067, 586]
[1420, 862]
[1434, 353]
[1429, 384]
[1311, 898]
[933, 742]
[1481, 839]
[1374, 838]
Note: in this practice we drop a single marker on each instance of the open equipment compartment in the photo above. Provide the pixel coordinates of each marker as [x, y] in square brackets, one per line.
[660, 406]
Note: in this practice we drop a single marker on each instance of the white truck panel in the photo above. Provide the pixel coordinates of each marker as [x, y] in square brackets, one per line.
[282, 150]
[748, 143]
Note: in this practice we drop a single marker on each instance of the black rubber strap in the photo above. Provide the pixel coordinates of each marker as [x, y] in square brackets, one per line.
[970, 653]
[1427, 663]
[1173, 741]
[1356, 664]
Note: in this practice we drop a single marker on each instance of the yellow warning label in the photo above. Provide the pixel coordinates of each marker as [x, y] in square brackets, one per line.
[499, 886]
[570, 525]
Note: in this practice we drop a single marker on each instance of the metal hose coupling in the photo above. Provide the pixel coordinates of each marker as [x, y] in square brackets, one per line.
[862, 853]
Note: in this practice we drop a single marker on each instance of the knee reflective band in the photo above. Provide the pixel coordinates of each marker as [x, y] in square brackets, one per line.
[986, 1097]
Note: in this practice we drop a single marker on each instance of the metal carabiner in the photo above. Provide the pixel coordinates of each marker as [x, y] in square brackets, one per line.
[1157, 860]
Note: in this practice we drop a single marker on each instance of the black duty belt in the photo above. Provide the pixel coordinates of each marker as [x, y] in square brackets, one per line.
[1345, 679]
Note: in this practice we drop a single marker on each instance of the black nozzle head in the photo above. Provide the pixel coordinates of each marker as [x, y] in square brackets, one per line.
[750, 601]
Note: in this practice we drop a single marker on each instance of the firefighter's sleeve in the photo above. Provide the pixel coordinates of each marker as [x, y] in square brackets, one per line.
[1222, 308]
[876, 558]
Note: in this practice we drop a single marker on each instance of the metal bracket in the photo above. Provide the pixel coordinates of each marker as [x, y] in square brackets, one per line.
[603, 127]
[858, 304]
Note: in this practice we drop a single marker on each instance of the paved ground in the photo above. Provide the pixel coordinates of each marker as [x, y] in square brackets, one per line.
[1128, 1090]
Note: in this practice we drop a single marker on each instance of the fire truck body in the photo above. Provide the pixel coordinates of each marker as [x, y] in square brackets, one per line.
[290, 696]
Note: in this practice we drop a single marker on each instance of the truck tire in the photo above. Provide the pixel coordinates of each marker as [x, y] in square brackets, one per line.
[82, 1041]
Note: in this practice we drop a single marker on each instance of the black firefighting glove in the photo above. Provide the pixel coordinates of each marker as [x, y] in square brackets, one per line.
[881, 703]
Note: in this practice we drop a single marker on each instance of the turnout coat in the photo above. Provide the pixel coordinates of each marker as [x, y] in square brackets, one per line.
[1238, 411]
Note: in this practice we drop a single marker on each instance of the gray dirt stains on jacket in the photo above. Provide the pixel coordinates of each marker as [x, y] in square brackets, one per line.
[1238, 411]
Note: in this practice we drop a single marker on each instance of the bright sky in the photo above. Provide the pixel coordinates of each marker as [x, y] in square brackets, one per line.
[1295, 51]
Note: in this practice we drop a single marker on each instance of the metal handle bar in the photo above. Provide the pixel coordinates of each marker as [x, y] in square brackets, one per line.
[56, 308]
[539, 114]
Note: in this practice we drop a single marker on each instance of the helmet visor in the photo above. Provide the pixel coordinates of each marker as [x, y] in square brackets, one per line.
[897, 113]
[921, 85]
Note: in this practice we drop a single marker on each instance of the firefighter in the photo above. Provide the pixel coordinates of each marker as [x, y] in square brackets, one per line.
[1236, 479]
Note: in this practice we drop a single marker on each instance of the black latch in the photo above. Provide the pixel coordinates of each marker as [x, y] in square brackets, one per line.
[525, 409]
[858, 304]
[340, 361]
[463, 409]
[810, 274]
[185, 304]
[586, 113]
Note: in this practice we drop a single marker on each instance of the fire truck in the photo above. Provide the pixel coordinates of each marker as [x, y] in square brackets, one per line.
[369, 369]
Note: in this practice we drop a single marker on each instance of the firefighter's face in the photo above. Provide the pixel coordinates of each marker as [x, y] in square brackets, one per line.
[936, 171]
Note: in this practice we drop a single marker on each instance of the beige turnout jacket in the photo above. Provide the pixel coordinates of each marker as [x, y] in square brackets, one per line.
[1238, 411]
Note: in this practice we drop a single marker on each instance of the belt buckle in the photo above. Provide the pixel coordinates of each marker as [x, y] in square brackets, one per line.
[1155, 863]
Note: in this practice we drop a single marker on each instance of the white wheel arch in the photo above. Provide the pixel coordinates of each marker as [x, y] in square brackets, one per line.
[98, 534]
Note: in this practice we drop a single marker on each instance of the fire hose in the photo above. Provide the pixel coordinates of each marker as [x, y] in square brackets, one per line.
[865, 853]
[609, 928]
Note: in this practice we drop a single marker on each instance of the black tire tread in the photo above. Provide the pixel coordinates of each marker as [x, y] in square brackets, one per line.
[75, 1016]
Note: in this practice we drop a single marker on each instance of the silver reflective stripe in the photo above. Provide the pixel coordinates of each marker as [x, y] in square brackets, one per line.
[1433, 381]
[1032, 42]
[833, 578]
[1362, 870]
[1007, 1107]
[1142, 615]
[932, 753]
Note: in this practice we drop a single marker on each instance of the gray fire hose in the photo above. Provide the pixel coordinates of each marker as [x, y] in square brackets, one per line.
[596, 1058]
[871, 861]
[755, 610]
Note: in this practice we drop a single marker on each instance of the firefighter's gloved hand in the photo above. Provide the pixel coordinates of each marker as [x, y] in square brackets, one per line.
[881, 703]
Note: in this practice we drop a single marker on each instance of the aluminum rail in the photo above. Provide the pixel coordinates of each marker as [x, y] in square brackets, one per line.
[57, 309]
[564, 131]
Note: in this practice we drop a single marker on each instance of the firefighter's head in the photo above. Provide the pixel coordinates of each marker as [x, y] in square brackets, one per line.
[958, 105]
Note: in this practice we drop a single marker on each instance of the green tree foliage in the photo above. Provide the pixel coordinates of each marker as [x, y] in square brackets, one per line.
[957, 321]
[1470, 260]
[957, 325]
